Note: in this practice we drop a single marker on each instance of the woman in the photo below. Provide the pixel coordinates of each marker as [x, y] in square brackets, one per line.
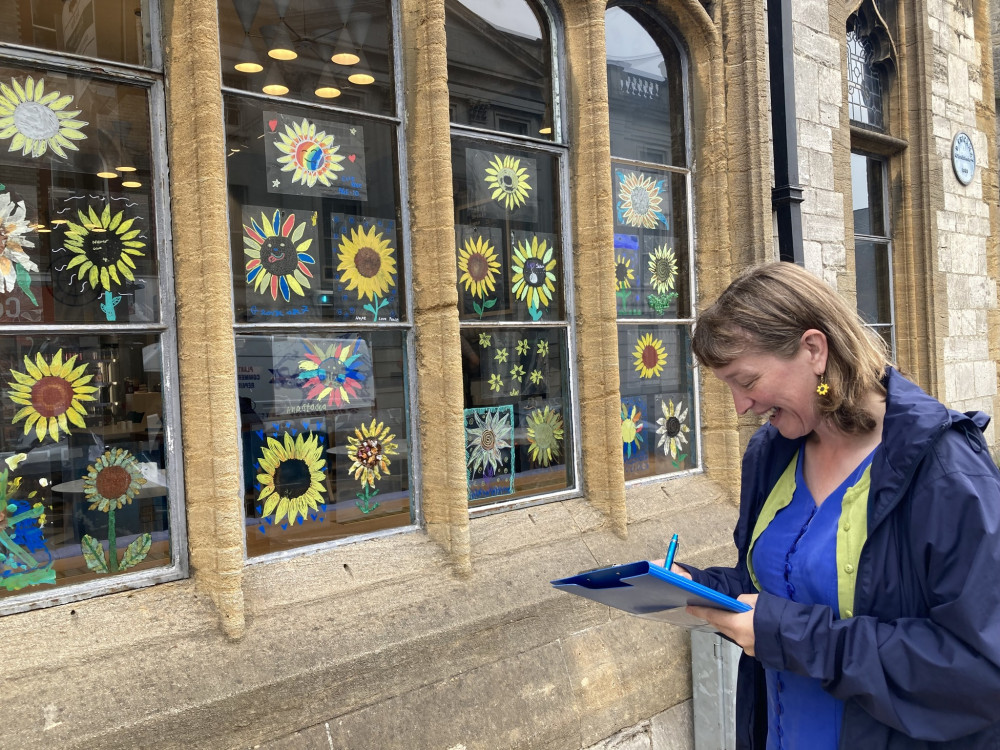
[868, 536]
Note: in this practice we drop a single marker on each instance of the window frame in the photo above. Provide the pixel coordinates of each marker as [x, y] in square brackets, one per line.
[152, 79]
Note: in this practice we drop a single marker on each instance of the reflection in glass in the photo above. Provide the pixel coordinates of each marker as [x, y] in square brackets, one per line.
[499, 67]
[325, 436]
[81, 243]
[645, 91]
[868, 189]
[82, 440]
[517, 416]
[116, 30]
[318, 51]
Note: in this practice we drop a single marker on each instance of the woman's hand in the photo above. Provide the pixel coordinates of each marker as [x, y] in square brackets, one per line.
[675, 568]
[735, 625]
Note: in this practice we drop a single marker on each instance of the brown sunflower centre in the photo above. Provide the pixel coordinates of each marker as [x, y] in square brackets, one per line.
[368, 262]
[113, 481]
[650, 358]
[369, 452]
[488, 440]
[51, 396]
[479, 267]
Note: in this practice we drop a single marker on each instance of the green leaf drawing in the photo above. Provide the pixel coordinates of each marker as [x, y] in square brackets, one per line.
[24, 281]
[136, 552]
[93, 554]
[487, 304]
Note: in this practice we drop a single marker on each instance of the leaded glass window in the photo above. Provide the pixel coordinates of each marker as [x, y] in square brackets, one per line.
[864, 83]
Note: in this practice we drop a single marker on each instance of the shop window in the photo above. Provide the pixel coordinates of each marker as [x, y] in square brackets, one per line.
[651, 183]
[90, 499]
[511, 255]
[319, 282]
[873, 245]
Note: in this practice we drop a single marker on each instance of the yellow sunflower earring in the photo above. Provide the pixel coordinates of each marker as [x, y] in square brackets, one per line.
[823, 388]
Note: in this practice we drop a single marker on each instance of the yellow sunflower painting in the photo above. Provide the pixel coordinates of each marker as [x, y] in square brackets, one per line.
[650, 356]
[624, 273]
[368, 265]
[479, 265]
[534, 279]
[370, 448]
[545, 435]
[309, 154]
[103, 247]
[37, 121]
[508, 180]
[113, 480]
[292, 476]
[51, 394]
[672, 429]
[662, 269]
[639, 200]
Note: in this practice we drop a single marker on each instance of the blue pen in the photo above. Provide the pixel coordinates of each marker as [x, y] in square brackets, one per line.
[671, 551]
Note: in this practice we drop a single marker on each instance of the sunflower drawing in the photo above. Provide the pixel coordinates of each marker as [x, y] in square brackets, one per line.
[103, 246]
[51, 394]
[113, 480]
[367, 265]
[291, 475]
[37, 121]
[545, 435]
[279, 257]
[309, 155]
[14, 262]
[624, 273]
[639, 200]
[672, 429]
[478, 262]
[650, 356]
[534, 278]
[490, 434]
[508, 180]
[333, 373]
[370, 448]
[631, 429]
[662, 269]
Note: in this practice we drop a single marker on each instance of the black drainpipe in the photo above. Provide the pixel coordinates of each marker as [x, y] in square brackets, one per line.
[787, 193]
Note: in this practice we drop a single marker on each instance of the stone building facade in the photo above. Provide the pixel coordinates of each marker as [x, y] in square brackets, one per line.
[437, 627]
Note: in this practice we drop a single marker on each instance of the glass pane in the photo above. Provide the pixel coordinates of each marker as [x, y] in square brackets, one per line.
[645, 92]
[873, 278]
[77, 235]
[325, 436]
[509, 252]
[336, 51]
[499, 66]
[869, 193]
[314, 215]
[651, 243]
[518, 427]
[111, 29]
[657, 387]
[864, 83]
[83, 429]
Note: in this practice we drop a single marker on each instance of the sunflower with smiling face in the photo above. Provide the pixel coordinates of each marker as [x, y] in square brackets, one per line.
[291, 476]
[14, 262]
[545, 435]
[309, 154]
[479, 265]
[534, 278]
[650, 356]
[37, 121]
[639, 201]
[103, 247]
[51, 395]
[508, 180]
[367, 265]
[279, 257]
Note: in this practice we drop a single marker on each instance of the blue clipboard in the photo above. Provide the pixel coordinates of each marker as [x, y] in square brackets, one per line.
[647, 590]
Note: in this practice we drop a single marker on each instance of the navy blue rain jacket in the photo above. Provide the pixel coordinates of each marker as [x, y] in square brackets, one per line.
[918, 666]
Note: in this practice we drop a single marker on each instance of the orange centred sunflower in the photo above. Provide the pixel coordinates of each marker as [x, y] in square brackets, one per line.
[650, 356]
[51, 394]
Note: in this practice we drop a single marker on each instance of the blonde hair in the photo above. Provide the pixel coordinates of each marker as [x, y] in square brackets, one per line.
[768, 308]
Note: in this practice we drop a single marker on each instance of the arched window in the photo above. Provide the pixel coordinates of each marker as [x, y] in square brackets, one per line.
[322, 331]
[511, 252]
[653, 243]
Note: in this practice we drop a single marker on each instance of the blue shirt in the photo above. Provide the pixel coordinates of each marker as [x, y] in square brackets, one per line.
[795, 557]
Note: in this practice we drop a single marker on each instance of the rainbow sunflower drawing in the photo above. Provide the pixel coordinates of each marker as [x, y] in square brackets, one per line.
[639, 200]
[309, 155]
[333, 373]
[103, 247]
[508, 180]
[279, 257]
[545, 435]
[631, 429]
[291, 475]
[650, 356]
[37, 121]
[534, 279]
[51, 395]
[672, 429]
[367, 265]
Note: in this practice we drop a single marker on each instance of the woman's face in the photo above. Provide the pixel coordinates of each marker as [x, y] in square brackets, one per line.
[783, 389]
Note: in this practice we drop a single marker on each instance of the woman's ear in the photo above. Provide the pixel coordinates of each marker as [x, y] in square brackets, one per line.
[813, 343]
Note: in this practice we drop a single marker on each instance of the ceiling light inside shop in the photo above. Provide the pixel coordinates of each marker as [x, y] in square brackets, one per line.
[247, 58]
[280, 46]
[131, 184]
[125, 169]
[274, 84]
[108, 175]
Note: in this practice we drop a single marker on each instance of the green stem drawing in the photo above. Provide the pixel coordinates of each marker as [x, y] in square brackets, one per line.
[364, 503]
[112, 541]
[623, 295]
[378, 305]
